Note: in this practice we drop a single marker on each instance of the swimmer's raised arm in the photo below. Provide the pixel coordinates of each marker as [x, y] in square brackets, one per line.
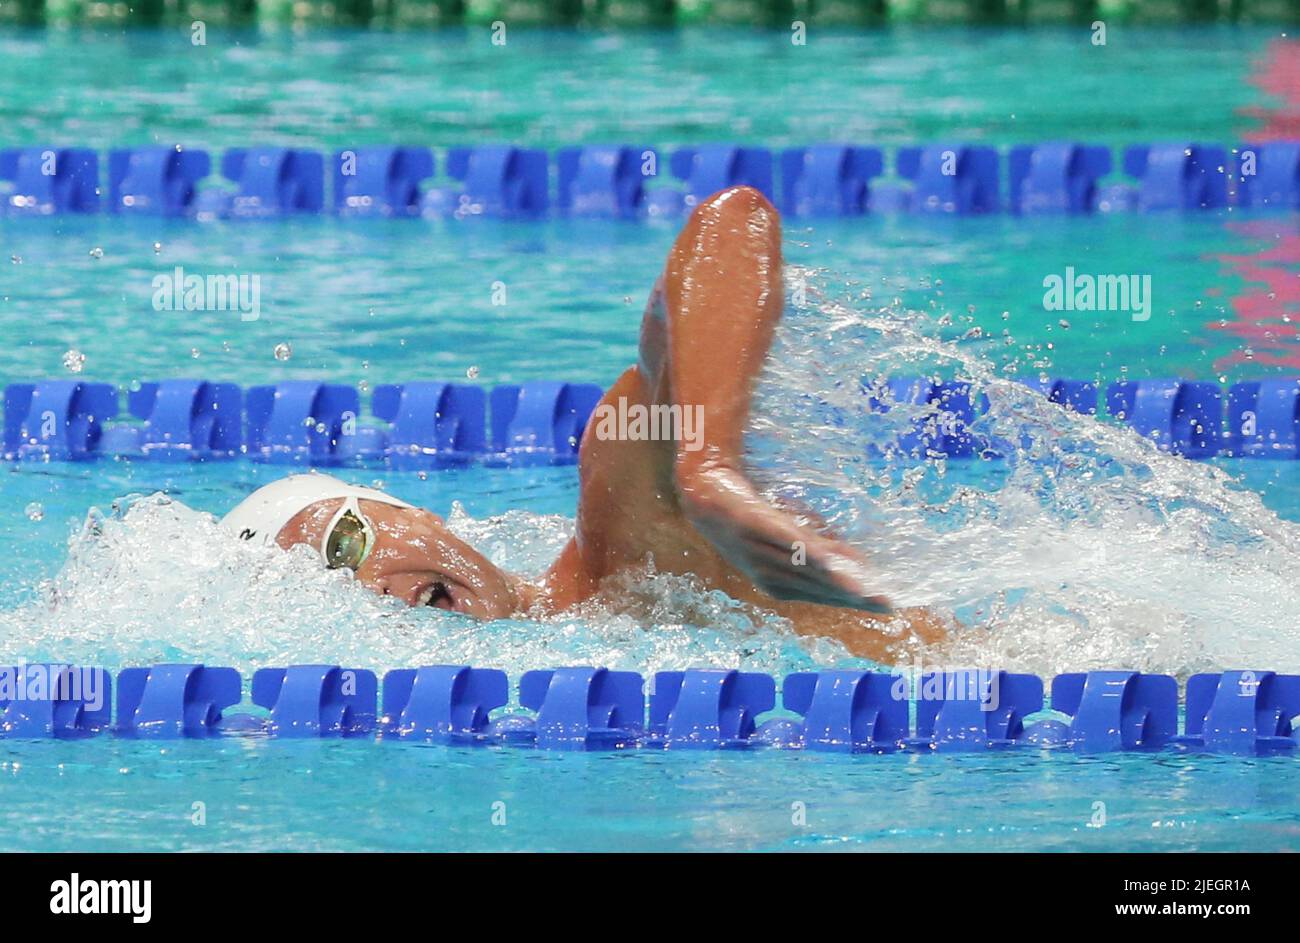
[679, 502]
[704, 340]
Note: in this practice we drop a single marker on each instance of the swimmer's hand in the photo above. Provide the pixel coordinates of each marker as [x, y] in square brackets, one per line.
[782, 557]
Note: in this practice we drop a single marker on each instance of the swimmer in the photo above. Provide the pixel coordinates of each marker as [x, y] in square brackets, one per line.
[686, 505]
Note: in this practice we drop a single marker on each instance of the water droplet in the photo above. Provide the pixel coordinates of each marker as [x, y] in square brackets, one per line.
[97, 253]
[16, 259]
[283, 351]
[472, 373]
[195, 353]
[74, 360]
[1064, 324]
[34, 511]
[157, 247]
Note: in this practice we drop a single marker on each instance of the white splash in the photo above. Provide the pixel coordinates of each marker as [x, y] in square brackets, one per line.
[155, 581]
[1086, 548]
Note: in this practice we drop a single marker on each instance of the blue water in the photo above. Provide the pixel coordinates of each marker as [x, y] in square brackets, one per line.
[347, 796]
[1097, 554]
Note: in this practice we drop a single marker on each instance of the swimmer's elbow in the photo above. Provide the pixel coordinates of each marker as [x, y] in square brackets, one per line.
[744, 201]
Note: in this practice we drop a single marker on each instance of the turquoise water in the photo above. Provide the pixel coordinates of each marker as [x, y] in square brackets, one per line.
[1097, 554]
[903, 86]
[407, 300]
[349, 796]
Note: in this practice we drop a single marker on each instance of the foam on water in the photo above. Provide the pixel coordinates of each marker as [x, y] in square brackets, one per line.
[1080, 547]
[154, 581]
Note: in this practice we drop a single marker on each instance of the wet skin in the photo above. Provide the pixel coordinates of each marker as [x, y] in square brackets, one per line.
[704, 336]
[416, 559]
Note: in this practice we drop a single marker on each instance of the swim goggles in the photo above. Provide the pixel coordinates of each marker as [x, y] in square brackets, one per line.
[349, 538]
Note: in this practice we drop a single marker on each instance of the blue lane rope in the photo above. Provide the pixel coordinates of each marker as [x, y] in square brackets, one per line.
[582, 708]
[427, 425]
[630, 182]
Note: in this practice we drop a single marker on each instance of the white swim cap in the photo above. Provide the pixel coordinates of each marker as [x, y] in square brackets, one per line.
[262, 515]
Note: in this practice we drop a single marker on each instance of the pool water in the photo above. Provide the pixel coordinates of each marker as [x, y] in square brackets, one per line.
[1087, 551]
[514, 301]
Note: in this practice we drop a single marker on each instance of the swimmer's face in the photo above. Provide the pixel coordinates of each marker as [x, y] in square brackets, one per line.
[414, 557]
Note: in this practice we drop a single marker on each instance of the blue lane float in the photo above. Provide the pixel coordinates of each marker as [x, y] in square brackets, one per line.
[1056, 178]
[380, 181]
[705, 170]
[429, 425]
[1078, 395]
[495, 180]
[44, 181]
[843, 712]
[1242, 711]
[629, 181]
[972, 710]
[1174, 176]
[59, 420]
[1117, 710]
[950, 178]
[1263, 419]
[540, 423]
[299, 421]
[43, 701]
[942, 425]
[829, 179]
[1268, 175]
[175, 700]
[444, 703]
[317, 700]
[268, 182]
[1245, 712]
[1179, 416]
[582, 708]
[155, 181]
[603, 182]
[708, 709]
[181, 420]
